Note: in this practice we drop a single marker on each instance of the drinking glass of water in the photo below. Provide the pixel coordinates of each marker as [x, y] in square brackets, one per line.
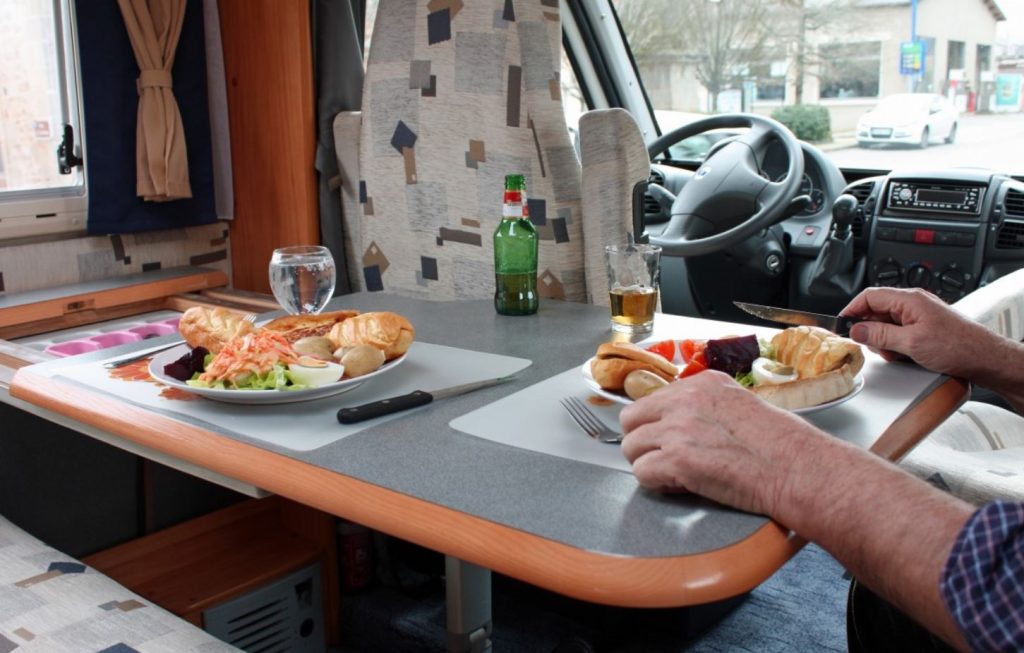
[302, 278]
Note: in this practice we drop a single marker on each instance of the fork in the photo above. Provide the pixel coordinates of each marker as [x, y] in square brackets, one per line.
[121, 362]
[589, 422]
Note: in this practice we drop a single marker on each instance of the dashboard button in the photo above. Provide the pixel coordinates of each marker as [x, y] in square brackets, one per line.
[886, 233]
[966, 239]
[924, 236]
[945, 238]
[905, 235]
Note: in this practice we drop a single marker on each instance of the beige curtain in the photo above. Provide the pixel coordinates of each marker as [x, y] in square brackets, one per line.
[161, 160]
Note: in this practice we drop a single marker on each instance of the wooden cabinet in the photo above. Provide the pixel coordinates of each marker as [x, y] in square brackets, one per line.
[268, 61]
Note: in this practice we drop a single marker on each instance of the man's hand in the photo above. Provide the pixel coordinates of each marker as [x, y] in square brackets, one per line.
[920, 326]
[708, 435]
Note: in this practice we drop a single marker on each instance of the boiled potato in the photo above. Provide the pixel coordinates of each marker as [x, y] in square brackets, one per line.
[359, 359]
[640, 383]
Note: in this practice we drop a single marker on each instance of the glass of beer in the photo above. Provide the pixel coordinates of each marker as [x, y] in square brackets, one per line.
[633, 275]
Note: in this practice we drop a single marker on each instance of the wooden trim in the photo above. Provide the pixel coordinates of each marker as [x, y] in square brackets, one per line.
[272, 114]
[598, 577]
[920, 419]
[59, 311]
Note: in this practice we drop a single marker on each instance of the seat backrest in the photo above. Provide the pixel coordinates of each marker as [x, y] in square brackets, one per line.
[999, 305]
[614, 160]
[456, 96]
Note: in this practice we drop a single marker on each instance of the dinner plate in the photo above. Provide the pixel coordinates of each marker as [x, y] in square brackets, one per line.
[156, 370]
[858, 385]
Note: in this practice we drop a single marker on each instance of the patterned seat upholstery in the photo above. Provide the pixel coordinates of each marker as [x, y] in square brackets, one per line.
[456, 96]
[52, 603]
[978, 453]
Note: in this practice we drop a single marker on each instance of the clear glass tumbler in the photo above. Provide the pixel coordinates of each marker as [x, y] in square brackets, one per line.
[302, 278]
[633, 276]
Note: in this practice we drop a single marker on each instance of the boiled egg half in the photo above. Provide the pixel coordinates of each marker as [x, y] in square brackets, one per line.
[312, 372]
[769, 372]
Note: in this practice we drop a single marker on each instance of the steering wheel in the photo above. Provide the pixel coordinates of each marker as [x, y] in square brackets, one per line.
[728, 199]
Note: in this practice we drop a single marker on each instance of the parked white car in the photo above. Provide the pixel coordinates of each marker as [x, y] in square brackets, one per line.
[909, 119]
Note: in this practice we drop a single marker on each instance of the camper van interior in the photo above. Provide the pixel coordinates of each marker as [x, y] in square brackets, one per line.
[286, 366]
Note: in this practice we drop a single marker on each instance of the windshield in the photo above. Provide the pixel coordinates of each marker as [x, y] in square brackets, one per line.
[940, 92]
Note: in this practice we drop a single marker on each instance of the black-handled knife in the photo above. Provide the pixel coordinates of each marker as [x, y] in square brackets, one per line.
[837, 324]
[354, 414]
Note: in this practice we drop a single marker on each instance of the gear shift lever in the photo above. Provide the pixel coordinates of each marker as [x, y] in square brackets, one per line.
[835, 274]
[842, 216]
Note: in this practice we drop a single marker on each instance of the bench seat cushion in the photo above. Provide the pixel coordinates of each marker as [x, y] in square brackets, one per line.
[51, 602]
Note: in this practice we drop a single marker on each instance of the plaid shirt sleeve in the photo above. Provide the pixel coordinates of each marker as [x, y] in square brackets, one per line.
[983, 581]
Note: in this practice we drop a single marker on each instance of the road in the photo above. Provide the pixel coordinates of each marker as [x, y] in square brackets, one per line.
[993, 141]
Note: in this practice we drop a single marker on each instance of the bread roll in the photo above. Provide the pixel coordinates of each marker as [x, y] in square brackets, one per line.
[812, 351]
[615, 360]
[388, 332]
[810, 391]
[297, 327]
[211, 327]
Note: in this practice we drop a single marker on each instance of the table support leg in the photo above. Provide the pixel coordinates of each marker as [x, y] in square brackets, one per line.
[468, 604]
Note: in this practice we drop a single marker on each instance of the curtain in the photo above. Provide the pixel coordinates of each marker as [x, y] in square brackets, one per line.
[110, 102]
[154, 27]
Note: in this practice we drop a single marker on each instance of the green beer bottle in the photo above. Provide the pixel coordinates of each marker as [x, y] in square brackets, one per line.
[515, 253]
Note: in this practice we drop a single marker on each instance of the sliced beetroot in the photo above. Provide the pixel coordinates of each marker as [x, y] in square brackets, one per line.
[186, 366]
[732, 355]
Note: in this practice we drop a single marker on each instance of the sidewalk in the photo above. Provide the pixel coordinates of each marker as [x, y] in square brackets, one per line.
[840, 141]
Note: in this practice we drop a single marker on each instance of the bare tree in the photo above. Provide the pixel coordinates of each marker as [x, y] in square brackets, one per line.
[798, 20]
[719, 37]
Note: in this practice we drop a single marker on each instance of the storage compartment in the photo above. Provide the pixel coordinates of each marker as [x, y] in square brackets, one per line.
[260, 566]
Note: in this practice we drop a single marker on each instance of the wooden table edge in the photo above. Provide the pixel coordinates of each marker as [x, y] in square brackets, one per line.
[921, 418]
[611, 579]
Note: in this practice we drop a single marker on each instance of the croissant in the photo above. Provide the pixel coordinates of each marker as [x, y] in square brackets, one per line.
[812, 351]
[211, 327]
[389, 332]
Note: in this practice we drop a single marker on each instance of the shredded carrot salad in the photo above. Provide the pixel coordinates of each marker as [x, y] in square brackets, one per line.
[255, 353]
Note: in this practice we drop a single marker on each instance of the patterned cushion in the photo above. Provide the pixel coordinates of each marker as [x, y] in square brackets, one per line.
[457, 95]
[54, 604]
[614, 160]
[977, 454]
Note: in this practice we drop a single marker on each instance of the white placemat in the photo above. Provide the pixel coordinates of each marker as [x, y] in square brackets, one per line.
[534, 419]
[305, 425]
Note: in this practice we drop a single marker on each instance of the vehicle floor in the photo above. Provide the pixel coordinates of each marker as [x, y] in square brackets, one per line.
[802, 607]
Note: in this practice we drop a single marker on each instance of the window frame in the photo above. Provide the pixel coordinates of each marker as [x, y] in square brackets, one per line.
[61, 210]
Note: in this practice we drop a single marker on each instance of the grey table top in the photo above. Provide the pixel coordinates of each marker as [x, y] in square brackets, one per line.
[584, 506]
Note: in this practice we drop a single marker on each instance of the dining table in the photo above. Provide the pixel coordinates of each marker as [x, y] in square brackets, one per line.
[500, 479]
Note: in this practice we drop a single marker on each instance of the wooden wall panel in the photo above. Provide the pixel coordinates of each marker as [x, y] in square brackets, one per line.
[271, 108]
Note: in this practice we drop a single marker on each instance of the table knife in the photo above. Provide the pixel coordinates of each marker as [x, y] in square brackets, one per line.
[837, 324]
[366, 411]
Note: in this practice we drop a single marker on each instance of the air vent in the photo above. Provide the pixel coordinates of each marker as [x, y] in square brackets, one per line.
[1014, 203]
[651, 206]
[862, 192]
[1011, 234]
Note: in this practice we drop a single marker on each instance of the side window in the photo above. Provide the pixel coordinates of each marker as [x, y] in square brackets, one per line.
[39, 85]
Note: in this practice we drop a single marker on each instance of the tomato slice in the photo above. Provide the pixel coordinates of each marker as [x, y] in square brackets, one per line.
[696, 365]
[666, 349]
[688, 349]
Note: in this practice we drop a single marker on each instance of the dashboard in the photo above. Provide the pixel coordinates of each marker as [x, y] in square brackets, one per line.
[945, 231]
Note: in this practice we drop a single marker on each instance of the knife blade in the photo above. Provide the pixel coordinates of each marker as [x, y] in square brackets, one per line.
[837, 324]
[380, 407]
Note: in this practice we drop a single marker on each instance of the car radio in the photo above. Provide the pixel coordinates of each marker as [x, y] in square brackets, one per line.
[936, 198]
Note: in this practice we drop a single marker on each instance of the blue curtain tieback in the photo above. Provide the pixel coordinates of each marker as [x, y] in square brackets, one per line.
[153, 78]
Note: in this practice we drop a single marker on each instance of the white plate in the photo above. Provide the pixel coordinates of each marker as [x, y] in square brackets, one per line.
[156, 370]
[858, 385]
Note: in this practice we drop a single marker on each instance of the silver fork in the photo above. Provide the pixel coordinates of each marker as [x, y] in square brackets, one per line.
[589, 422]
